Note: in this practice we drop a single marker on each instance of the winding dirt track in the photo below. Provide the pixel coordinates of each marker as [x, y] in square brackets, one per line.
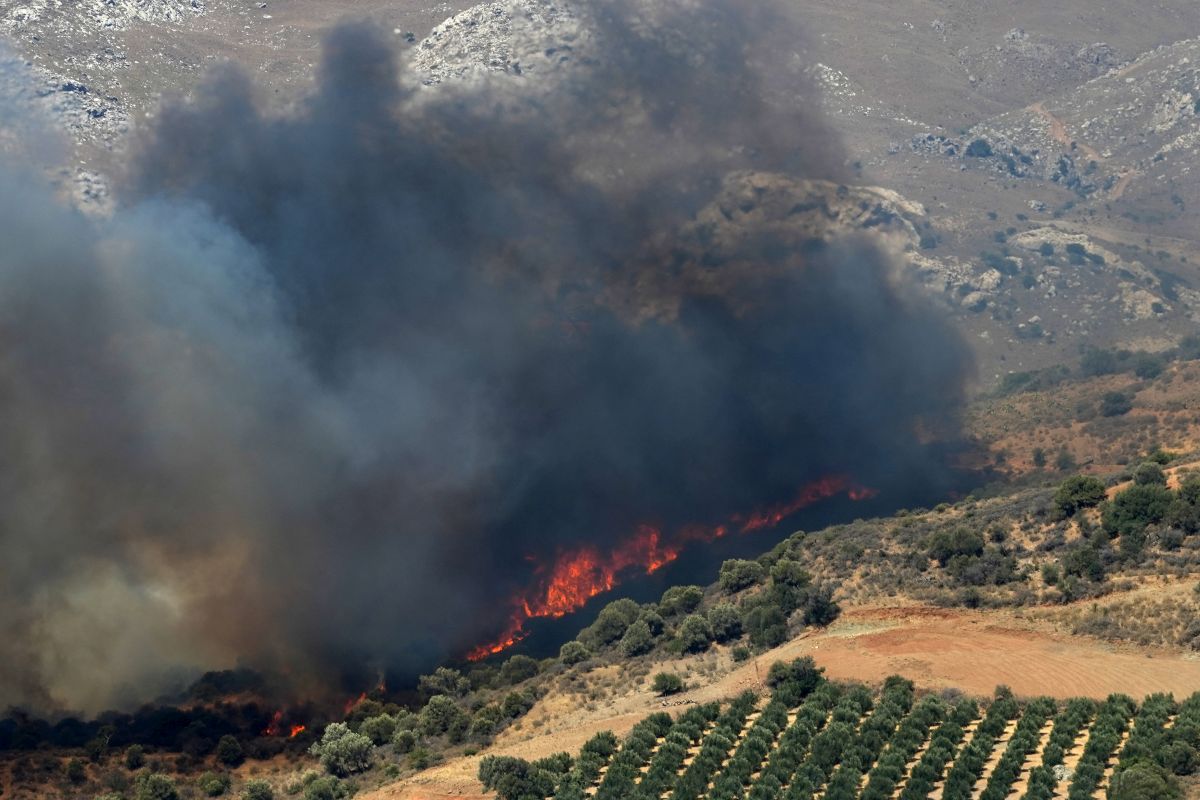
[972, 651]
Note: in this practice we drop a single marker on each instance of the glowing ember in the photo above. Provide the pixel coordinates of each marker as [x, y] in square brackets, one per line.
[579, 575]
[272, 728]
[351, 703]
[296, 730]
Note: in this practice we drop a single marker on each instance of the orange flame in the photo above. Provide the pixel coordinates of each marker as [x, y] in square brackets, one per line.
[579, 575]
[296, 730]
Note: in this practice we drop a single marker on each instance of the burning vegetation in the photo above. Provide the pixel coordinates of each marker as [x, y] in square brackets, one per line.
[311, 349]
[578, 576]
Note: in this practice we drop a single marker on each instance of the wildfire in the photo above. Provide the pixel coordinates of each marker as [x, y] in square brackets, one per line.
[579, 575]
[275, 728]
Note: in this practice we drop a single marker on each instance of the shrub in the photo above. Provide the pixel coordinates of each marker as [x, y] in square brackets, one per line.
[154, 786]
[694, 634]
[820, 608]
[258, 790]
[1149, 473]
[979, 148]
[738, 574]
[1135, 508]
[229, 751]
[1079, 492]
[725, 621]
[741, 653]
[1143, 780]
[944, 545]
[667, 683]
[514, 778]
[378, 729]
[573, 653]
[637, 639]
[441, 715]
[444, 680]
[680, 600]
[1115, 404]
[342, 751]
[326, 787]
[405, 741]
[610, 624]
[517, 669]
[214, 784]
[135, 757]
[766, 624]
[75, 771]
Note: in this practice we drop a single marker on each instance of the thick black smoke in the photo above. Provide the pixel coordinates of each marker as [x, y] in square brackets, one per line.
[319, 388]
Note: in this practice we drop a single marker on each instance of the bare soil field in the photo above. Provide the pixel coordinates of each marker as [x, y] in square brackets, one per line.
[938, 649]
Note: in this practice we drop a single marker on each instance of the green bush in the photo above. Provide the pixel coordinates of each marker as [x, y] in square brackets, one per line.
[444, 680]
[637, 639]
[1115, 404]
[442, 716]
[1143, 780]
[135, 757]
[154, 786]
[1132, 510]
[514, 778]
[667, 683]
[214, 784]
[573, 653]
[518, 669]
[680, 600]
[694, 634]
[378, 729]
[229, 751]
[765, 623]
[944, 545]
[725, 621]
[258, 790]
[738, 574]
[1079, 492]
[610, 624]
[1149, 473]
[342, 751]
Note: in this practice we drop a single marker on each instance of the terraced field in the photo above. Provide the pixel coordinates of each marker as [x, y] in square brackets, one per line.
[843, 741]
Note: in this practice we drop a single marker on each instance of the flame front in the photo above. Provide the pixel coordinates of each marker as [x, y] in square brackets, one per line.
[579, 575]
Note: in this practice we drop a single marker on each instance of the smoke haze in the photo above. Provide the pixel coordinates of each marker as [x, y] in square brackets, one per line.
[324, 382]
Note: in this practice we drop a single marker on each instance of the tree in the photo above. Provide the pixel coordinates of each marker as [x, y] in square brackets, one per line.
[725, 622]
[229, 751]
[573, 653]
[517, 669]
[258, 790]
[680, 600]
[637, 639]
[667, 683]
[1079, 492]
[342, 751]
[694, 634]
[738, 574]
[326, 787]
[1097, 362]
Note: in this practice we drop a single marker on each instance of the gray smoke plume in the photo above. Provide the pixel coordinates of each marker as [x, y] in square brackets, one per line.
[324, 383]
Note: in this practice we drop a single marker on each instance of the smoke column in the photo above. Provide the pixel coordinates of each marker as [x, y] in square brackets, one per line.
[326, 381]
